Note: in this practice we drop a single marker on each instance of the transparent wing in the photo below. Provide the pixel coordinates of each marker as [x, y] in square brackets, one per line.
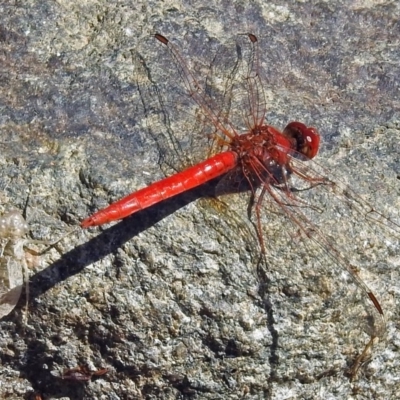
[169, 116]
[193, 115]
[242, 100]
[336, 243]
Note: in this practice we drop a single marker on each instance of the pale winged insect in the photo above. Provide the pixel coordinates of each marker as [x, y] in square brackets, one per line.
[13, 260]
[13, 267]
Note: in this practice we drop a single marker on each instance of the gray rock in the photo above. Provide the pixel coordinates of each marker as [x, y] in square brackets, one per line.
[171, 300]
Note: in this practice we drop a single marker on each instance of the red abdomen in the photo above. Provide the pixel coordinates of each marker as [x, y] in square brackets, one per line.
[164, 189]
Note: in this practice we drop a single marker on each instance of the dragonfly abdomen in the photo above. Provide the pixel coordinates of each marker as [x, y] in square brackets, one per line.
[164, 189]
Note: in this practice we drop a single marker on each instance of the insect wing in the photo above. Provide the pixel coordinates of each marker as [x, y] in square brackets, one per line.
[336, 243]
[193, 115]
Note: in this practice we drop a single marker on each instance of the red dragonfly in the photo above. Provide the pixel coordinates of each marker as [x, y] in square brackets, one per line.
[248, 155]
[263, 156]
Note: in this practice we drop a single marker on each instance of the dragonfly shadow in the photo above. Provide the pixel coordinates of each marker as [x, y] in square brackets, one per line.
[109, 240]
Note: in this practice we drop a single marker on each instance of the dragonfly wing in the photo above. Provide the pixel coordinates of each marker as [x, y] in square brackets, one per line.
[242, 97]
[170, 115]
[192, 116]
[335, 250]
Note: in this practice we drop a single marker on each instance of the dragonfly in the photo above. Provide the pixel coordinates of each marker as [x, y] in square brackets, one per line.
[245, 154]
[262, 154]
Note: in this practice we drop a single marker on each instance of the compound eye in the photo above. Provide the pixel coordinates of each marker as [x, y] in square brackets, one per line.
[307, 138]
[312, 138]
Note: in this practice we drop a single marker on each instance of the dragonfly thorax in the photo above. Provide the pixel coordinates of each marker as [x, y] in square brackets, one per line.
[263, 156]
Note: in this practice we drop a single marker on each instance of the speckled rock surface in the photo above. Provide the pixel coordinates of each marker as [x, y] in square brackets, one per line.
[171, 300]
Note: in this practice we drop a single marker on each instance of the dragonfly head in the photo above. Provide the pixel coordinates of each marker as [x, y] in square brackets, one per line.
[307, 139]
